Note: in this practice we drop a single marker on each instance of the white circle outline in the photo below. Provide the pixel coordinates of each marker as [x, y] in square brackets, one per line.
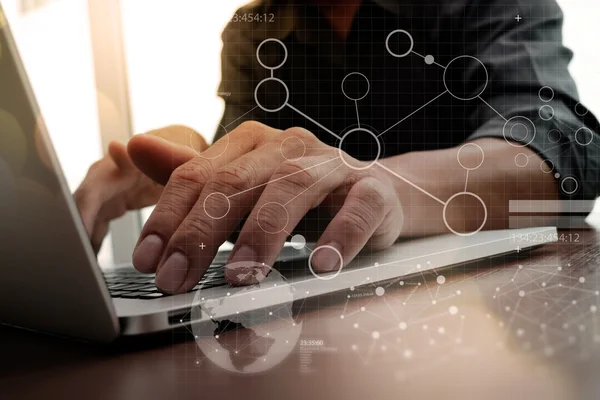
[216, 194]
[562, 185]
[521, 165]
[287, 95]
[519, 144]
[550, 136]
[284, 51]
[546, 106]
[487, 78]
[285, 140]
[584, 107]
[591, 136]
[199, 154]
[461, 164]
[312, 271]
[484, 217]
[287, 220]
[549, 163]
[368, 86]
[372, 162]
[387, 44]
[540, 94]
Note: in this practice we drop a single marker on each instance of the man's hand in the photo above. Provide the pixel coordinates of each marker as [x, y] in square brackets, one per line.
[276, 178]
[114, 185]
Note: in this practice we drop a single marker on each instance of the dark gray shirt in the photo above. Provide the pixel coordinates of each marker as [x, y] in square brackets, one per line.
[476, 69]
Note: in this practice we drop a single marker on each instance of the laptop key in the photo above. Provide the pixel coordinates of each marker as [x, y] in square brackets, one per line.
[133, 287]
[132, 295]
[118, 286]
[151, 288]
[150, 296]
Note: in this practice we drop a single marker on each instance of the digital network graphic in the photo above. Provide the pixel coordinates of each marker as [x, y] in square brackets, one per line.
[548, 310]
[518, 131]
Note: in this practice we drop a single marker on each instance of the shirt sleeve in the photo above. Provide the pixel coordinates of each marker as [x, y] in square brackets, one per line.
[530, 99]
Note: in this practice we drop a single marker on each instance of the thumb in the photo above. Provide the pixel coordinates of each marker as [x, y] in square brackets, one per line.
[156, 157]
[118, 153]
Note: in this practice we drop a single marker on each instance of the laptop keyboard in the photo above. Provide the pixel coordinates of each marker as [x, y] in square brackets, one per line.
[130, 284]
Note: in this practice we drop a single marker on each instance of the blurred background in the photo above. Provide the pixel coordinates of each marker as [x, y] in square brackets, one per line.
[171, 61]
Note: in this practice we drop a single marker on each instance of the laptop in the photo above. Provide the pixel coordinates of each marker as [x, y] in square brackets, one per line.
[50, 280]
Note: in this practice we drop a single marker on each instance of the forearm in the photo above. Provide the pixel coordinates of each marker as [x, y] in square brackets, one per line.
[432, 178]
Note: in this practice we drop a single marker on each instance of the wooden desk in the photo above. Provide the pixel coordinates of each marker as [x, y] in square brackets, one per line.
[518, 328]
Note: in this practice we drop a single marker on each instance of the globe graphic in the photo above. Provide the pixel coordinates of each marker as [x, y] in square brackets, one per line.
[251, 328]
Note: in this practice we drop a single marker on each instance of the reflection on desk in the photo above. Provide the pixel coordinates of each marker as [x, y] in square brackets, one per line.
[523, 327]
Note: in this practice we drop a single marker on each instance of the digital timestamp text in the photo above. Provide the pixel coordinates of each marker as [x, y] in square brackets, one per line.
[252, 17]
[542, 238]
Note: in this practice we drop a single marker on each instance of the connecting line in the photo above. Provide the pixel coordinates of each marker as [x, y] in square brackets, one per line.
[314, 122]
[413, 113]
[243, 115]
[423, 57]
[357, 115]
[410, 183]
[493, 109]
[283, 177]
[467, 181]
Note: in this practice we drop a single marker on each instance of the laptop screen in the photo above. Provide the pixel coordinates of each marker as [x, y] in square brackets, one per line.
[48, 268]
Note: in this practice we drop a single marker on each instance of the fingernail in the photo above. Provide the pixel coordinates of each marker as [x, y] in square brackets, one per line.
[147, 255]
[172, 274]
[241, 268]
[326, 259]
[244, 253]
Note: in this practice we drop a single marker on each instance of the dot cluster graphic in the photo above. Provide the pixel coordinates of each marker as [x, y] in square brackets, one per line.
[425, 323]
[550, 309]
[421, 318]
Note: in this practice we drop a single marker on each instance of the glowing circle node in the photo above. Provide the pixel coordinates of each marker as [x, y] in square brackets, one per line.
[262, 85]
[271, 40]
[519, 131]
[468, 194]
[399, 32]
[366, 134]
[329, 276]
[222, 199]
[274, 209]
[455, 82]
[355, 86]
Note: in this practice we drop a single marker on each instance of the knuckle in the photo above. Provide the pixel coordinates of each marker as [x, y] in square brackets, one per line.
[231, 180]
[196, 172]
[297, 177]
[271, 218]
[372, 195]
[254, 129]
[354, 221]
[251, 125]
[301, 133]
[368, 207]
